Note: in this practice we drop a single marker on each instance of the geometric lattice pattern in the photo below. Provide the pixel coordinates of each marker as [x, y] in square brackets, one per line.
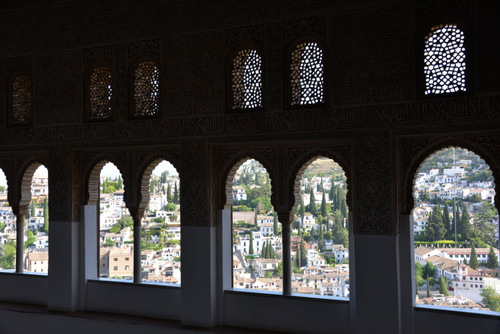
[247, 80]
[100, 93]
[444, 60]
[307, 74]
[146, 89]
[21, 99]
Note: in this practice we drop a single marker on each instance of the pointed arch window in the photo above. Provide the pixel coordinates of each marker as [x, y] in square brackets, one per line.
[307, 74]
[146, 89]
[21, 99]
[247, 80]
[100, 94]
[445, 60]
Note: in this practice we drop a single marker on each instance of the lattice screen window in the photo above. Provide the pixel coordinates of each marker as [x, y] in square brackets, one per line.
[146, 89]
[100, 93]
[444, 60]
[247, 80]
[21, 100]
[307, 74]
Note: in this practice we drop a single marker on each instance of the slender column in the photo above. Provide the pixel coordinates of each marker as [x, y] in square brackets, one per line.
[287, 258]
[137, 249]
[20, 213]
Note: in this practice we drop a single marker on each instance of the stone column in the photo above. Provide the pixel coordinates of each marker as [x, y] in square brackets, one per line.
[20, 212]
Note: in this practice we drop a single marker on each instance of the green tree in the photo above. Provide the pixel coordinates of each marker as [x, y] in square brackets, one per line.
[443, 286]
[429, 270]
[176, 194]
[32, 209]
[324, 211]
[312, 202]
[31, 239]
[446, 221]
[491, 299]
[419, 272]
[473, 258]
[169, 193]
[435, 227]
[2, 227]
[463, 225]
[484, 229]
[7, 255]
[492, 262]
[170, 207]
[109, 243]
[301, 257]
[275, 223]
[46, 215]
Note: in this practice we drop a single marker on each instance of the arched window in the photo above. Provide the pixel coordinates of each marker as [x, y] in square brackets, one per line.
[100, 88]
[444, 60]
[320, 250]
[36, 227]
[116, 227]
[8, 232]
[454, 226]
[247, 80]
[20, 100]
[257, 243]
[146, 89]
[307, 74]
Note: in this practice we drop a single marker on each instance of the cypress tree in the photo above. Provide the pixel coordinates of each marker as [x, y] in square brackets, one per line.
[446, 221]
[46, 215]
[492, 262]
[275, 223]
[176, 194]
[474, 263]
[312, 202]
[465, 229]
[264, 250]
[169, 193]
[324, 212]
[302, 210]
[443, 286]
[343, 207]
[435, 227]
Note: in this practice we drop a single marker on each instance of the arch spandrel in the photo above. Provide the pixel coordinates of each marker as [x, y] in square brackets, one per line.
[415, 152]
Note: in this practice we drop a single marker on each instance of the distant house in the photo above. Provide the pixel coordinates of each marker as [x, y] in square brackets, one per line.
[37, 262]
[239, 193]
[262, 266]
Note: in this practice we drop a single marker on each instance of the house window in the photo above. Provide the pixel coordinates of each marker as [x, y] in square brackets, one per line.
[127, 267]
[127, 259]
[100, 93]
[307, 74]
[247, 80]
[21, 100]
[115, 259]
[146, 90]
[444, 60]
[115, 267]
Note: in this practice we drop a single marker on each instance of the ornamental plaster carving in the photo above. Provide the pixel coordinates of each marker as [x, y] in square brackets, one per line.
[372, 183]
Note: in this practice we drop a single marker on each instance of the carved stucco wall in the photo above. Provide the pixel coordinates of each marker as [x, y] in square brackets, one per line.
[373, 125]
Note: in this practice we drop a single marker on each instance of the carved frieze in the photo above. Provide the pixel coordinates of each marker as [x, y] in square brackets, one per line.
[195, 186]
[372, 184]
[57, 87]
[193, 81]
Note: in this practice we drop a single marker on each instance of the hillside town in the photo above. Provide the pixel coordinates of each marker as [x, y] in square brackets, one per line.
[36, 239]
[456, 232]
[320, 238]
[160, 228]
[160, 231]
